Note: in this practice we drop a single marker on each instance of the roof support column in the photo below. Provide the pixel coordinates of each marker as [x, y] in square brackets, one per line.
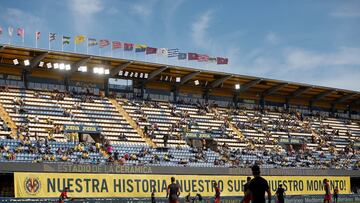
[175, 91]
[142, 90]
[287, 104]
[262, 102]
[206, 95]
[311, 106]
[66, 82]
[236, 99]
[349, 110]
[24, 77]
[106, 86]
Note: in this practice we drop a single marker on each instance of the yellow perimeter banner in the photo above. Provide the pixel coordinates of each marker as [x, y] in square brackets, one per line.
[32, 185]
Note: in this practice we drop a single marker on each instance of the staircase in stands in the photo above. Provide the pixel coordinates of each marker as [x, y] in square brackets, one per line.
[7, 119]
[132, 123]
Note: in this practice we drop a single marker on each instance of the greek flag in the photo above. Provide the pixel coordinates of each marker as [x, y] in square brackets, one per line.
[173, 52]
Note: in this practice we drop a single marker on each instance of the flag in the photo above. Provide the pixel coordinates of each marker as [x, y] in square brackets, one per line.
[37, 35]
[52, 36]
[116, 45]
[128, 46]
[162, 51]
[79, 39]
[10, 31]
[92, 42]
[221, 60]
[173, 52]
[66, 40]
[203, 57]
[212, 59]
[140, 48]
[20, 32]
[193, 56]
[1, 30]
[182, 56]
[103, 43]
[151, 50]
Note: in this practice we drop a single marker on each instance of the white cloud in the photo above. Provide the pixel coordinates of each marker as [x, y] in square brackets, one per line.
[17, 17]
[83, 14]
[86, 7]
[199, 30]
[140, 9]
[347, 11]
[304, 59]
[272, 38]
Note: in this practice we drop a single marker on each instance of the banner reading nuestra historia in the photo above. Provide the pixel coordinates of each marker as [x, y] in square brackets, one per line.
[29, 185]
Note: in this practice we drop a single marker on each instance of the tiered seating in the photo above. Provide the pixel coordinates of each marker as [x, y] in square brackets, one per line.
[170, 119]
[3, 133]
[39, 107]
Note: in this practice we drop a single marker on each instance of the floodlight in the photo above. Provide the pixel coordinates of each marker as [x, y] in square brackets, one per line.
[16, 62]
[161, 77]
[120, 72]
[136, 74]
[27, 62]
[62, 66]
[56, 65]
[237, 86]
[126, 73]
[196, 82]
[146, 75]
[170, 79]
[106, 71]
[166, 78]
[41, 64]
[67, 67]
[131, 74]
[178, 79]
[82, 69]
[141, 75]
[100, 70]
[48, 65]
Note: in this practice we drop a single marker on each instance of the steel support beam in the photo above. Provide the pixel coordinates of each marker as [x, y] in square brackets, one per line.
[77, 64]
[188, 77]
[298, 92]
[114, 71]
[217, 82]
[273, 89]
[36, 60]
[248, 85]
[322, 95]
[157, 72]
[344, 98]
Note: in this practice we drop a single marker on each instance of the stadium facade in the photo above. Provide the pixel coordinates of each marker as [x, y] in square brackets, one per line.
[31, 77]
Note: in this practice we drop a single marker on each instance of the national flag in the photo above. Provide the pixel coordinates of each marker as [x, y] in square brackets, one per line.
[212, 60]
[10, 31]
[193, 56]
[66, 40]
[52, 36]
[37, 35]
[128, 46]
[203, 57]
[140, 48]
[151, 50]
[173, 52]
[162, 51]
[103, 43]
[116, 45]
[20, 32]
[182, 56]
[92, 42]
[221, 60]
[79, 39]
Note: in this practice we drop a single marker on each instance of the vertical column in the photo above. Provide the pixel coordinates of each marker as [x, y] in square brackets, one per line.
[24, 77]
[106, 86]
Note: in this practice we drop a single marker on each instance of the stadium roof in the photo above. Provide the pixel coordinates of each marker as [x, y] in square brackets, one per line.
[250, 86]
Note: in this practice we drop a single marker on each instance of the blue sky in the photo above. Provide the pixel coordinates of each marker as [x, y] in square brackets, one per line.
[316, 42]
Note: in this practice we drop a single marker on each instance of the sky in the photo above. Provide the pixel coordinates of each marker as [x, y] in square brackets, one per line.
[313, 42]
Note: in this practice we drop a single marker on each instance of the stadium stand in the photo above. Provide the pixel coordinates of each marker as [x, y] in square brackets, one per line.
[41, 115]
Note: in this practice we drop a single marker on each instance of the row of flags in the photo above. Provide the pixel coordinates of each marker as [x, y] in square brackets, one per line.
[126, 46]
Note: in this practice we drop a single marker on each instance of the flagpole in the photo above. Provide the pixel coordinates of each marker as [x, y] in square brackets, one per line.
[36, 39]
[62, 43]
[87, 45]
[23, 38]
[75, 47]
[111, 49]
[49, 41]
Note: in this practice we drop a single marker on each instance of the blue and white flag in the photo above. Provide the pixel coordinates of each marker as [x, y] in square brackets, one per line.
[173, 52]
